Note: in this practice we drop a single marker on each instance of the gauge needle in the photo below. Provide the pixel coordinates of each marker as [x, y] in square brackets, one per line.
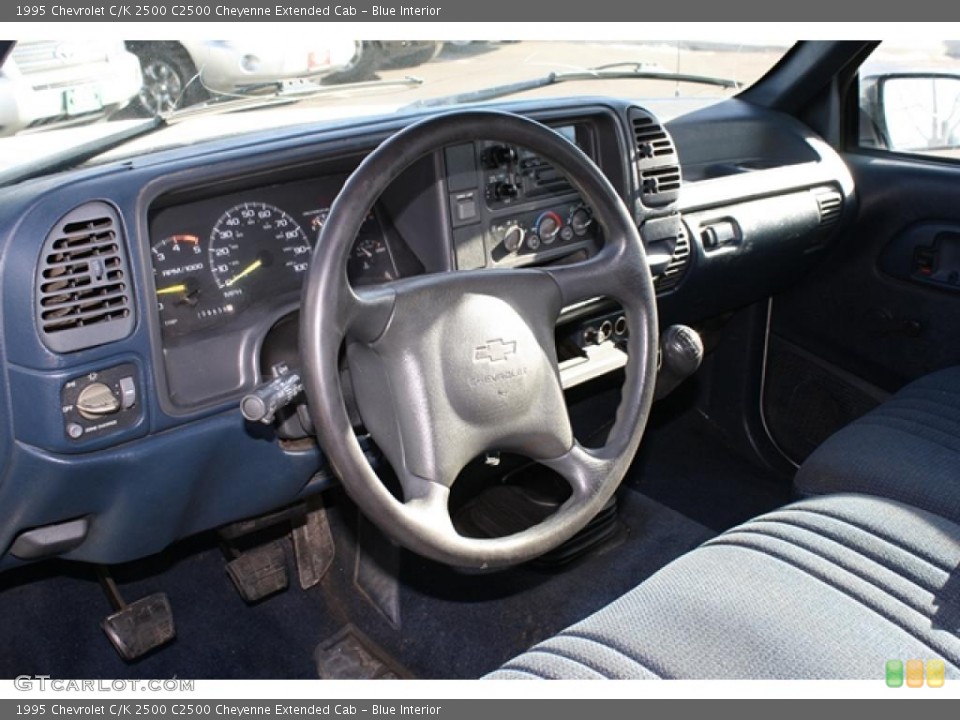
[243, 273]
[172, 289]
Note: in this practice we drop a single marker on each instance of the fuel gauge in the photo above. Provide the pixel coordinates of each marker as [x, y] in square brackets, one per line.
[371, 261]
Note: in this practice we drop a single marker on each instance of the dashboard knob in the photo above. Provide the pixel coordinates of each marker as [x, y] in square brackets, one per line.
[500, 155]
[548, 226]
[506, 190]
[513, 238]
[580, 221]
[97, 400]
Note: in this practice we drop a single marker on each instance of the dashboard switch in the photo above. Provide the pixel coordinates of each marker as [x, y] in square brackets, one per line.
[128, 393]
[96, 400]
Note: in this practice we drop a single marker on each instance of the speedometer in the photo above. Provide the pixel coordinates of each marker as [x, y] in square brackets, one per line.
[256, 244]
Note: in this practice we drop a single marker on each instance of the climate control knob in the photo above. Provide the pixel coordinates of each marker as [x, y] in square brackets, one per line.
[548, 226]
[580, 221]
[513, 238]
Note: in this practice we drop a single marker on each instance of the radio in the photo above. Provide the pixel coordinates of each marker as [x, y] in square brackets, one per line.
[513, 174]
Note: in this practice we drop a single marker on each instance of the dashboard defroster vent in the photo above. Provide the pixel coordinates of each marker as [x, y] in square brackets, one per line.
[83, 296]
[830, 205]
[677, 266]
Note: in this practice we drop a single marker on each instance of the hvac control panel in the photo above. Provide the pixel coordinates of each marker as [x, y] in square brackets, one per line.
[99, 403]
[510, 207]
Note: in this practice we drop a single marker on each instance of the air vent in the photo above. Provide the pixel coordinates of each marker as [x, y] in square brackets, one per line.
[83, 296]
[656, 159]
[677, 266]
[830, 205]
[661, 180]
[650, 137]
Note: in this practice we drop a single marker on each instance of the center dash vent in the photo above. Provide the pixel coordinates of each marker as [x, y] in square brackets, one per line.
[650, 137]
[830, 205]
[83, 296]
[660, 180]
[656, 158]
[677, 267]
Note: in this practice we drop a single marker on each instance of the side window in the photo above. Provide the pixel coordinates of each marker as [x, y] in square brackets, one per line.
[910, 98]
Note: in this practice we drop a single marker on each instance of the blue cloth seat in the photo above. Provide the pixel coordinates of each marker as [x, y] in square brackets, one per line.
[907, 449]
[829, 587]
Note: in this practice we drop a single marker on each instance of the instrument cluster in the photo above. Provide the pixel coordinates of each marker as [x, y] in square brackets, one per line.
[214, 258]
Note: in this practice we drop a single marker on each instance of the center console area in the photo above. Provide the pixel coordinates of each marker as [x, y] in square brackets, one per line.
[510, 208]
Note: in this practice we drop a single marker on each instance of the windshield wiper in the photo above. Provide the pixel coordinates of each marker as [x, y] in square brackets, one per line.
[614, 71]
[79, 154]
[285, 94]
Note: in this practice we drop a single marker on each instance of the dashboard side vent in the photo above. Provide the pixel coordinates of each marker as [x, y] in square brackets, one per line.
[658, 168]
[83, 296]
[677, 267]
[830, 205]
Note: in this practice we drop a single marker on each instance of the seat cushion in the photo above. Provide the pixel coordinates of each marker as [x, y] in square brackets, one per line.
[830, 587]
[907, 449]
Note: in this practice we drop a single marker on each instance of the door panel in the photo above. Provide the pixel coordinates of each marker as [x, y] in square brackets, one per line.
[881, 310]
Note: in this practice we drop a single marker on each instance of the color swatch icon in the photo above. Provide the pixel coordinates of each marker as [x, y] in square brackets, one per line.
[935, 673]
[894, 673]
[913, 671]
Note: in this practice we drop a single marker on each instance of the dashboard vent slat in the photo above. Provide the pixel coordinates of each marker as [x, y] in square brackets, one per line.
[829, 204]
[677, 267]
[661, 180]
[82, 296]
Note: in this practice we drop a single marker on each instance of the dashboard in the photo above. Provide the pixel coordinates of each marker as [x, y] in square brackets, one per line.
[142, 299]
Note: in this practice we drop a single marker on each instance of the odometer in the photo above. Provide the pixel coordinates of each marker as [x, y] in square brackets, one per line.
[257, 244]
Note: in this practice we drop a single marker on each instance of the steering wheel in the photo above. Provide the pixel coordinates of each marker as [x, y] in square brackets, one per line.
[448, 366]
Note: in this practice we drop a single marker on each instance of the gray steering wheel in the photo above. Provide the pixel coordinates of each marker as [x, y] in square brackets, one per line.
[448, 366]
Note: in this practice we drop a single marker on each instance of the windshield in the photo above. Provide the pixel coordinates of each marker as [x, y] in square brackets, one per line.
[58, 96]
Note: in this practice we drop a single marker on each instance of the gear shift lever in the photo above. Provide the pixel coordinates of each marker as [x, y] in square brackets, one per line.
[681, 352]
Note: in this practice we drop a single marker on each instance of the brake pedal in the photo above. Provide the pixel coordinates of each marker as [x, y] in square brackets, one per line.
[260, 572]
[313, 546]
[138, 627]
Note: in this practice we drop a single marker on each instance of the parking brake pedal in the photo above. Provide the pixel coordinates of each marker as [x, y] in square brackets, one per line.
[260, 572]
[138, 627]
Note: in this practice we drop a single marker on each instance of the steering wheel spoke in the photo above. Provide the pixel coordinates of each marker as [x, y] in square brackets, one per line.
[367, 311]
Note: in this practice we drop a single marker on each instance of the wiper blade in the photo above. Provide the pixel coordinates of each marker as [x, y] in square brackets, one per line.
[285, 94]
[79, 154]
[636, 71]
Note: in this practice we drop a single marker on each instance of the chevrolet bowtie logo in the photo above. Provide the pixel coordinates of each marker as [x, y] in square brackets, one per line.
[495, 350]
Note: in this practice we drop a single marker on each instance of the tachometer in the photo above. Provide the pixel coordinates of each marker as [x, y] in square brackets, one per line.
[179, 272]
[257, 244]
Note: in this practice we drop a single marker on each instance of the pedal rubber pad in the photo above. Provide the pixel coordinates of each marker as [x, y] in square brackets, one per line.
[141, 626]
[260, 572]
[351, 655]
